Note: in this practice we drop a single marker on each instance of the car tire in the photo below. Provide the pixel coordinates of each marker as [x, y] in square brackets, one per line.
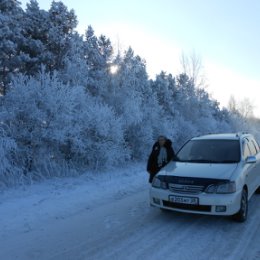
[165, 210]
[258, 190]
[241, 215]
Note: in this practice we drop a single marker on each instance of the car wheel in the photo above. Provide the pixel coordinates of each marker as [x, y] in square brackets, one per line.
[241, 215]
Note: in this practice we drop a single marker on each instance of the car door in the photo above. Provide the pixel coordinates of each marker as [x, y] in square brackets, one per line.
[249, 168]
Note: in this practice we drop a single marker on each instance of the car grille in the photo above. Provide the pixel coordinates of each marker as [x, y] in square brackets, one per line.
[186, 189]
[189, 185]
[202, 208]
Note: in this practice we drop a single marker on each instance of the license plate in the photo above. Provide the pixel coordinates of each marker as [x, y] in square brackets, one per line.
[184, 200]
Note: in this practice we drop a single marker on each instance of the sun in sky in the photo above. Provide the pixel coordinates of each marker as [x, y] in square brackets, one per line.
[113, 69]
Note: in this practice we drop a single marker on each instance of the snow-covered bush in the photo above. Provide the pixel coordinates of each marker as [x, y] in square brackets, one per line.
[10, 174]
[38, 114]
[54, 123]
[101, 137]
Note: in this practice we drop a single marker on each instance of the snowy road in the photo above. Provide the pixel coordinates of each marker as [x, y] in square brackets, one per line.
[126, 227]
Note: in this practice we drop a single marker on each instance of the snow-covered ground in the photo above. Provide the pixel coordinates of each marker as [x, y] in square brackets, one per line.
[107, 217]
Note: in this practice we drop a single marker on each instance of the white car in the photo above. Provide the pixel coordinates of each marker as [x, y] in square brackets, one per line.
[212, 174]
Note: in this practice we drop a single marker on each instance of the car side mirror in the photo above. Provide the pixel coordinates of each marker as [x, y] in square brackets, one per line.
[251, 159]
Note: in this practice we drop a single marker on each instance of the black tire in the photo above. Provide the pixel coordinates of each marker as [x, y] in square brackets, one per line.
[258, 190]
[241, 215]
[165, 210]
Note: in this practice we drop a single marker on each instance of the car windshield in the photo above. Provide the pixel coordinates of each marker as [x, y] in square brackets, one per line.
[210, 151]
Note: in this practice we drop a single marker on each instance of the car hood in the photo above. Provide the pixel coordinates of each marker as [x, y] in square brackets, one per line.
[199, 170]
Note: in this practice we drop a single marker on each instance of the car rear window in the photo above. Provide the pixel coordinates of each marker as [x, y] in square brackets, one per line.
[210, 151]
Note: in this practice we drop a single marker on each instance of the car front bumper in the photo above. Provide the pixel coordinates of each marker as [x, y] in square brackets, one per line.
[209, 204]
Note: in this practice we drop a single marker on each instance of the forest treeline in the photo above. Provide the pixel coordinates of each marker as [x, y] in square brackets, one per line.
[69, 102]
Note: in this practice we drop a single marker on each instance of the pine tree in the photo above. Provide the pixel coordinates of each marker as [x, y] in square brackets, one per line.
[36, 25]
[98, 52]
[62, 25]
[11, 38]
[76, 71]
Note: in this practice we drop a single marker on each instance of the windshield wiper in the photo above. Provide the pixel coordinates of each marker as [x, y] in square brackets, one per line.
[211, 161]
[228, 161]
[202, 161]
[197, 161]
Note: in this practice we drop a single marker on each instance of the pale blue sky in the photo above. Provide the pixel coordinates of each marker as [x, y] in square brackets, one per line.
[224, 32]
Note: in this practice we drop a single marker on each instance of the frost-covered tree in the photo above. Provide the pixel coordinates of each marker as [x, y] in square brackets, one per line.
[192, 66]
[131, 95]
[11, 38]
[98, 53]
[36, 25]
[165, 89]
[62, 25]
[76, 70]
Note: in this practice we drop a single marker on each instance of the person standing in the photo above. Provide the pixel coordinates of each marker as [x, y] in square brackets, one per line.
[162, 153]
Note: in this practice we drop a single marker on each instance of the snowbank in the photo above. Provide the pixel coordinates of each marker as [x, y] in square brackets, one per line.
[22, 209]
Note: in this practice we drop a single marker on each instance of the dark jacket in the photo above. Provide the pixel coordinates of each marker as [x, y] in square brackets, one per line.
[152, 165]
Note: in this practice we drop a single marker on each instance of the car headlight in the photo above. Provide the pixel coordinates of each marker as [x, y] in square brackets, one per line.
[157, 183]
[224, 188]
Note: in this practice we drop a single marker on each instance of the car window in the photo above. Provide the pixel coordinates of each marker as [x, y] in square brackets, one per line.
[252, 148]
[246, 150]
[210, 151]
[256, 145]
